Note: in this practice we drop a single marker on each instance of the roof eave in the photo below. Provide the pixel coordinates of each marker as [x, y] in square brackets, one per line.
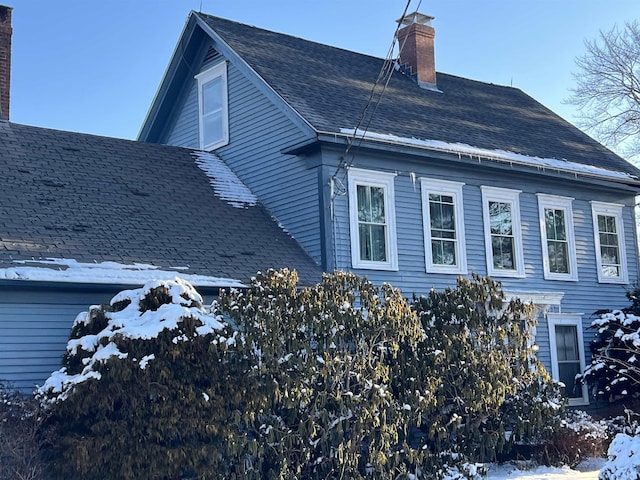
[633, 183]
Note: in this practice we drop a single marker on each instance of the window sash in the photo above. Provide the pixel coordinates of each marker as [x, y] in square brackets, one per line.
[372, 220]
[503, 233]
[609, 239]
[557, 237]
[372, 225]
[443, 225]
[213, 108]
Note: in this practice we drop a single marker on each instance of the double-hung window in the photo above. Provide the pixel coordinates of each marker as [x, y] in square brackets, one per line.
[503, 236]
[609, 241]
[372, 220]
[567, 354]
[213, 115]
[558, 243]
[443, 223]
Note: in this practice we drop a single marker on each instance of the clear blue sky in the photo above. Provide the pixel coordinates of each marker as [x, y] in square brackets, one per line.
[94, 65]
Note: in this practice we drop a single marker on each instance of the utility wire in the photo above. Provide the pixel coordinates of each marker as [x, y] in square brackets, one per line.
[384, 77]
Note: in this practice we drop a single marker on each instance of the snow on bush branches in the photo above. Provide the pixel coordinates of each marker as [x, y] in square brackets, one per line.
[340, 380]
[614, 371]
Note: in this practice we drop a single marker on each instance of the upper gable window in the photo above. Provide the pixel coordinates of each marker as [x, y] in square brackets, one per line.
[558, 244]
[609, 241]
[503, 237]
[443, 223]
[213, 115]
[372, 220]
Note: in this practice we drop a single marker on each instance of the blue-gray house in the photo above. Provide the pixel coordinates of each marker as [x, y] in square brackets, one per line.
[410, 176]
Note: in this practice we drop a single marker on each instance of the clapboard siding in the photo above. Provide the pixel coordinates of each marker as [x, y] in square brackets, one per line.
[259, 131]
[583, 296]
[33, 338]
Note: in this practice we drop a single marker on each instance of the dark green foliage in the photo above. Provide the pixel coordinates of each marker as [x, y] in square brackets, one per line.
[340, 380]
[159, 422]
[614, 371]
[325, 357]
[492, 390]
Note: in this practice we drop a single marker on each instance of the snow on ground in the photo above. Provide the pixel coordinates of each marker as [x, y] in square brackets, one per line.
[585, 471]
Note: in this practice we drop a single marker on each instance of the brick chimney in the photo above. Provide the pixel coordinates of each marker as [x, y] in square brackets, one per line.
[5, 60]
[416, 43]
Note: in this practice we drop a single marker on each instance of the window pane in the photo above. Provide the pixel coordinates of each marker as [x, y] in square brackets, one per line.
[212, 94]
[443, 252]
[610, 255]
[500, 215]
[370, 204]
[558, 257]
[364, 203]
[212, 127]
[377, 205]
[555, 224]
[442, 216]
[567, 373]
[567, 343]
[372, 243]
[503, 252]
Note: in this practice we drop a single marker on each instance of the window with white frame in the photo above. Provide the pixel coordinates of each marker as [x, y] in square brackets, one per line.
[443, 223]
[503, 236]
[213, 115]
[558, 241]
[372, 220]
[567, 354]
[609, 242]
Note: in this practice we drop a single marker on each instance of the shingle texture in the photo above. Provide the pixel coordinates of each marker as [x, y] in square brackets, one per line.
[329, 87]
[95, 199]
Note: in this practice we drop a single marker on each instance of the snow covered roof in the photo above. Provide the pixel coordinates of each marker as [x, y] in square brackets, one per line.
[463, 150]
[89, 209]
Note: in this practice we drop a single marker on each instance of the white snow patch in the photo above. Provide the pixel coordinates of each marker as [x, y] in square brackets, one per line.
[499, 155]
[70, 270]
[624, 458]
[145, 360]
[225, 183]
[511, 472]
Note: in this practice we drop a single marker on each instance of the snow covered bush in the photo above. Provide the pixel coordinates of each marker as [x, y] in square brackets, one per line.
[579, 437]
[614, 371]
[623, 458]
[340, 380]
[144, 390]
[491, 390]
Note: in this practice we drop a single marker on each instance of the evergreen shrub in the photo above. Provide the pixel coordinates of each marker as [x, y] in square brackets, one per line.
[340, 380]
[145, 390]
[614, 372]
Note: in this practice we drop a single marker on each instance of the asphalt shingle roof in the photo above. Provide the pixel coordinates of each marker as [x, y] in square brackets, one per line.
[329, 87]
[95, 199]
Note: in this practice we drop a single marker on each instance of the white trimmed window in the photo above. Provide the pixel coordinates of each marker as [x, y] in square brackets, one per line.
[502, 233]
[608, 231]
[567, 354]
[372, 220]
[558, 241]
[213, 114]
[443, 223]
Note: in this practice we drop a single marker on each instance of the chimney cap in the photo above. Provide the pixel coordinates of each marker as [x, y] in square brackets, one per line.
[416, 17]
